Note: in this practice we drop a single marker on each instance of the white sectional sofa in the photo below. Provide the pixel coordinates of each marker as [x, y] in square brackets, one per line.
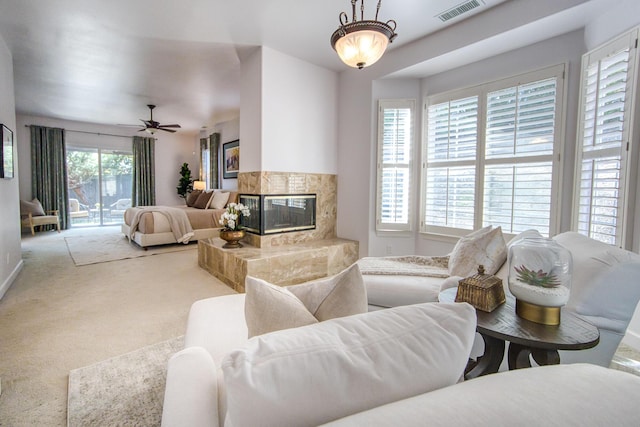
[393, 367]
[605, 291]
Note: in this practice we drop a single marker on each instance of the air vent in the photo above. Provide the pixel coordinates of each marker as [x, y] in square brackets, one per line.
[459, 10]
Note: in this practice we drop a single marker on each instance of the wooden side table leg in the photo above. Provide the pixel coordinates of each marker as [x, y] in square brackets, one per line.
[490, 361]
[546, 357]
[518, 356]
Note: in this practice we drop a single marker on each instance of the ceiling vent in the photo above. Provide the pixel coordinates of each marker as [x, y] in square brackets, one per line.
[459, 10]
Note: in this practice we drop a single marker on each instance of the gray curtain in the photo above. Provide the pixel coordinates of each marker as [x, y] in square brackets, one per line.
[214, 149]
[49, 171]
[144, 185]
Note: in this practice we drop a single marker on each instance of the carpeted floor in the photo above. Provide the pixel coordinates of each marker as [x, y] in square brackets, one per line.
[94, 249]
[57, 317]
[123, 390]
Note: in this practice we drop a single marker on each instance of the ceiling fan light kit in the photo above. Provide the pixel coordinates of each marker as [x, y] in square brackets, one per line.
[362, 43]
[151, 126]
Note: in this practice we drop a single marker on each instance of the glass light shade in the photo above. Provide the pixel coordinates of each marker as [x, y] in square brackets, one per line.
[199, 185]
[361, 48]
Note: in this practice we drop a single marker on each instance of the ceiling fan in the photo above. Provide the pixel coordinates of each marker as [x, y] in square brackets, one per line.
[151, 126]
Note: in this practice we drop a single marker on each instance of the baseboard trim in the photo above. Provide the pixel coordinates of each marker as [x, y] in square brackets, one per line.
[7, 283]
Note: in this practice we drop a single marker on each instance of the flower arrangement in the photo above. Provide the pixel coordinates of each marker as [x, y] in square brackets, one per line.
[230, 220]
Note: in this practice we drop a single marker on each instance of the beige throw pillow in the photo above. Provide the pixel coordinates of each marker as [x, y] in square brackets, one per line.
[271, 308]
[219, 200]
[486, 247]
[33, 207]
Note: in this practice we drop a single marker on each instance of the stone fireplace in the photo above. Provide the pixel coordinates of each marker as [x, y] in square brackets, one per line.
[294, 247]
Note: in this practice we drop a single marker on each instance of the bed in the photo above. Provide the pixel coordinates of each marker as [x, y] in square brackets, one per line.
[152, 227]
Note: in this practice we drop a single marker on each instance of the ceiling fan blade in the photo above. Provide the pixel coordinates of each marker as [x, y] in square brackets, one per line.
[169, 126]
[167, 130]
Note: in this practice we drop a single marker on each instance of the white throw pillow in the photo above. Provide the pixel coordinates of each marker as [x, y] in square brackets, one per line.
[271, 307]
[318, 373]
[219, 200]
[482, 247]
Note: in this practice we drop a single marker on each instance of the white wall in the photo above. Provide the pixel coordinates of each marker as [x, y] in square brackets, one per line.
[251, 112]
[299, 118]
[10, 251]
[289, 119]
[171, 151]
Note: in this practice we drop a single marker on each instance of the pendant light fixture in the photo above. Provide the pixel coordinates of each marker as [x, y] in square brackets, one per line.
[361, 43]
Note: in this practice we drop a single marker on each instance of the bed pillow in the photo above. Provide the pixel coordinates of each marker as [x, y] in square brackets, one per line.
[193, 197]
[33, 207]
[485, 246]
[203, 200]
[318, 373]
[271, 308]
[219, 200]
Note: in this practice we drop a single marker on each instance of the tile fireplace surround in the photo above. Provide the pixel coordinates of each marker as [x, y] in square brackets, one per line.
[285, 258]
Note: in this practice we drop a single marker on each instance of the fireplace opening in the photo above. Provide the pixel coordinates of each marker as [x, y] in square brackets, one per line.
[271, 214]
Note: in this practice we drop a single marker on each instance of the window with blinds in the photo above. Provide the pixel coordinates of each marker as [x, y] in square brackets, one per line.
[490, 157]
[609, 75]
[395, 142]
[452, 136]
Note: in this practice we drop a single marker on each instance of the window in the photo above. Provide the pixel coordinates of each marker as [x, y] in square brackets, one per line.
[609, 75]
[395, 142]
[489, 155]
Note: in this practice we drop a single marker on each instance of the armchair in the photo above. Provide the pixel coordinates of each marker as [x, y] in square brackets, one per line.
[31, 221]
[77, 209]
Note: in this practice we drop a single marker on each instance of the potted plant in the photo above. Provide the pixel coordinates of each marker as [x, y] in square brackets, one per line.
[185, 184]
[232, 231]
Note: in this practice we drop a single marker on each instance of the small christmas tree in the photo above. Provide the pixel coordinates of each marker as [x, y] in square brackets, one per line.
[185, 185]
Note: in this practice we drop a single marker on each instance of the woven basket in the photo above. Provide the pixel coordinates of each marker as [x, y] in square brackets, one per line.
[483, 291]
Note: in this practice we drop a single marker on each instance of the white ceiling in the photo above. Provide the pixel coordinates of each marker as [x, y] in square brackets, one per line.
[103, 61]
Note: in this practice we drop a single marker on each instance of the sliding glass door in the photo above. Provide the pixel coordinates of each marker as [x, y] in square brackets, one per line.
[99, 185]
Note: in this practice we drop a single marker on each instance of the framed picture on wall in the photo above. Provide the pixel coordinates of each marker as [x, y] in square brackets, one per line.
[6, 155]
[230, 159]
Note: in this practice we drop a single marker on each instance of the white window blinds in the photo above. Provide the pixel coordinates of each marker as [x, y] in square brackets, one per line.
[607, 92]
[490, 155]
[452, 137]
[520, 129]
[395, 142]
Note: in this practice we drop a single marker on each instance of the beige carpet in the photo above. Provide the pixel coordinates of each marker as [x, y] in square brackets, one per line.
[124, 390]
[57, 317]
[93, 249]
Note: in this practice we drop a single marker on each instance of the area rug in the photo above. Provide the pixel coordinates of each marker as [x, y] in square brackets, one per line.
[126, 390]
[85, 250]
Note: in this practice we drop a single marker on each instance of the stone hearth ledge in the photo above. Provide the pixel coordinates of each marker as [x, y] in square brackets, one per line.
[281, 265]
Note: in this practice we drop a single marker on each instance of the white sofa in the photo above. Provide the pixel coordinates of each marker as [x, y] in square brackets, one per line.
[605, 291]
[413, 381]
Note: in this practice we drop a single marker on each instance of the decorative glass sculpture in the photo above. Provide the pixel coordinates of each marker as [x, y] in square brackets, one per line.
[540, 278]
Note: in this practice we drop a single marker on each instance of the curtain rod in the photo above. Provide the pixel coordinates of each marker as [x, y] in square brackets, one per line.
[91, 133]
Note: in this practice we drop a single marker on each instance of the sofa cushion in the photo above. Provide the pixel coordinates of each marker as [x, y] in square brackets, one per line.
[270, 307]
[317, 373]
[33, 207]
[485, 246]
[219, 200]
